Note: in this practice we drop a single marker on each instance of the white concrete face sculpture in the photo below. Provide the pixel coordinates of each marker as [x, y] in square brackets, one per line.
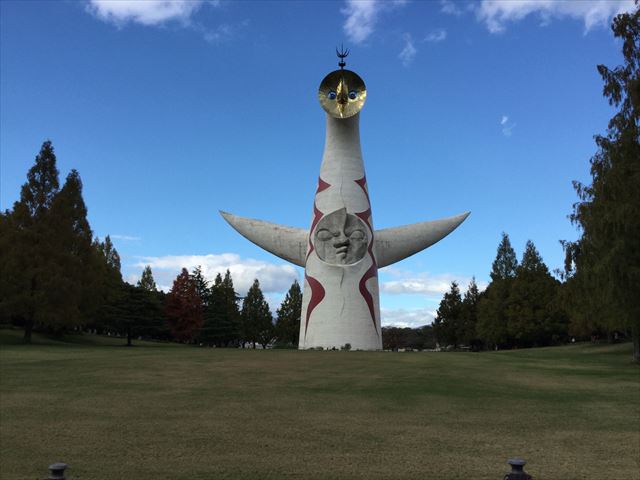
[341, 252]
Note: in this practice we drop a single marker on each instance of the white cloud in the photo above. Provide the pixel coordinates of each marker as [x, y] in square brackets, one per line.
[497, 13]
[145, 12]
[432, 286]
[507, 126]
[362, 17]
[403, 318]
[436, 36]
[409, 51]
[126, 238]
[274, 278]
[450, 8]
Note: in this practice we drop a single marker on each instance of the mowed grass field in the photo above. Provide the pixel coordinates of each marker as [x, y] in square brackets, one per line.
[158, 411]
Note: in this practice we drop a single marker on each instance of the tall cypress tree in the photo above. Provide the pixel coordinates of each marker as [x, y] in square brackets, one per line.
[447, 325]
[492, 320]
[288, 320]
[146, 281]
[256, 317]
[605, 261]
[29, 253]
[532, 319]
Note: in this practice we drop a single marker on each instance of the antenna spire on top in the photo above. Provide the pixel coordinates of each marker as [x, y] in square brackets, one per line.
[342, 54]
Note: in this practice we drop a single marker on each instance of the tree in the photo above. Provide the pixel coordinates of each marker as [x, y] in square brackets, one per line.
[184, 308]
[48, 254]
[256, 317]
[202, 285]
[604, 262]
[137, 312]
[288, 316]
[146, 281]
[492, 321]
[27, 255]
[448, 323]
[469, 335]
[73, 274]
[532, 316]
[110, 288]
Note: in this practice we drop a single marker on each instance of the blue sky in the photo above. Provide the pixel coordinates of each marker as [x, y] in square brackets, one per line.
[172, 110]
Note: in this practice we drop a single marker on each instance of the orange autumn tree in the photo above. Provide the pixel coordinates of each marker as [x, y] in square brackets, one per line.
[184, 308]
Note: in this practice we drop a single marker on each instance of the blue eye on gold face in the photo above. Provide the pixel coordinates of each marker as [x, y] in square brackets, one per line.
[342, 93]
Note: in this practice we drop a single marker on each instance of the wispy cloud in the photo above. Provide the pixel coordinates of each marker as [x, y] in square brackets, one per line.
[507, 126]
[408, 52]
[274, 278]
[450, 8]
[431, 286]
[403, 318]
[497, 13]
[362, 17]
[436, 36]
[126, 238]
[144, 12]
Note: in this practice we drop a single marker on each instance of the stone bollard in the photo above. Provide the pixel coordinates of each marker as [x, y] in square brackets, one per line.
[517, 470]
[57, 471]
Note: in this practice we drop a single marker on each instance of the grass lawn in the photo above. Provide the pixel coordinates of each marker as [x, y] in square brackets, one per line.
[159, 411]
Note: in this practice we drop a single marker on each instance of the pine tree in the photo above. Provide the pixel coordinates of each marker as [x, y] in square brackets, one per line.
[232, 321]
[469, 335]
[532, 319]
[448, 323]
[184, 308]
[492, 320]
[605, 261]
[506, 263]
[288, 316]
[202, 285]
[256, 317]
[146, 281]
[111, 288]
[73, 276]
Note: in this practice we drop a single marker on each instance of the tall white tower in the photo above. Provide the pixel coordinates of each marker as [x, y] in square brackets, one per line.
[341, 252]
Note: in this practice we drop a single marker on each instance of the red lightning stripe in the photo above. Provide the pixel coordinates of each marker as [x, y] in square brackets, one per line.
[373, 270]
[317, 294]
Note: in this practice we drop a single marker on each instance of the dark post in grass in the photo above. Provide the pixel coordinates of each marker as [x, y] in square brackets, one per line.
[57, 471]
[517, 470]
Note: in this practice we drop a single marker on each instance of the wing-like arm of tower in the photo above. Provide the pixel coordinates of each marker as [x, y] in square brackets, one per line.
[285, 242]
[395, 244]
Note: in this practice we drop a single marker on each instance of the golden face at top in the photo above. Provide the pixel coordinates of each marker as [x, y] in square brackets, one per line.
[342, 93]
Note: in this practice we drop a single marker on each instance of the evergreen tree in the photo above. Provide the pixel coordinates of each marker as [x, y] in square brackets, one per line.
[146, 281]
[184, 308]
[289, 313]
[605, 261]
[448, 323]
[48, 257]
[111, 288]
[70, 284]
[202, 285]
[232, 322]
[469, 335]
[532, 317]
[505, 264]
[137, 312]
[256, 317]
[492, 320]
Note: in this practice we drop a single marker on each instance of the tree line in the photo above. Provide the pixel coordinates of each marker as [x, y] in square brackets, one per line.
[56, 277]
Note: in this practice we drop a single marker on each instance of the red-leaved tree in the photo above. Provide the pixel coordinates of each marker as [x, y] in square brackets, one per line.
[184, 308]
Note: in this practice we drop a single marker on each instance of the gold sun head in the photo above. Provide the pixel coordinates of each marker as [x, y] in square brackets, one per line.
[342, 93]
